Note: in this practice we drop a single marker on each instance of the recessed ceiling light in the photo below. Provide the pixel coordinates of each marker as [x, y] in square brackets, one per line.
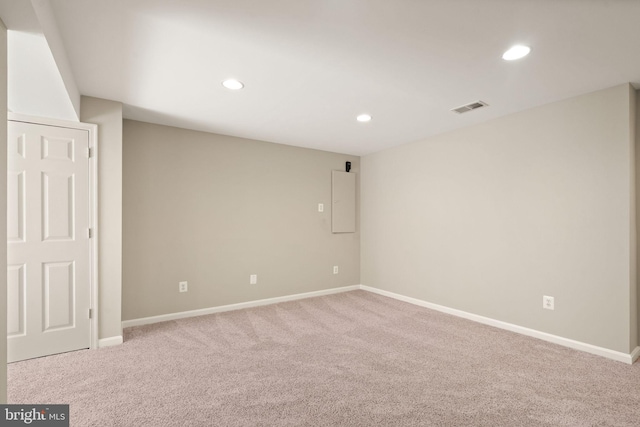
[516, 52]
[232, 84]
[363, 118]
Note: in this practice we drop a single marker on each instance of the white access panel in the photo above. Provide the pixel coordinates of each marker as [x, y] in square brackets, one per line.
[48, 280]
[343, 206]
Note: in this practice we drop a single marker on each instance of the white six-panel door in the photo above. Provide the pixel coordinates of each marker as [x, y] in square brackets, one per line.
[48, 283]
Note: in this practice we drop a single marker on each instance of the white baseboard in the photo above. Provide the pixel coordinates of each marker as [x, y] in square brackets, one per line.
[566, 342]
[230, 307]
[111, 341]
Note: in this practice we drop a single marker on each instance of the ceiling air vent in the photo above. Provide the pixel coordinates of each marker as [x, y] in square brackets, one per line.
[469, 107]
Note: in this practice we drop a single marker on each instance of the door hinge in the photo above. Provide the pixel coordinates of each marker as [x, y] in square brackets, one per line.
[90, 313]
[89, 233]
[88, 153]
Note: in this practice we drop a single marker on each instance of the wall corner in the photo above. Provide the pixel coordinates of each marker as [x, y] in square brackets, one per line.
[634, 129]
[108, 116]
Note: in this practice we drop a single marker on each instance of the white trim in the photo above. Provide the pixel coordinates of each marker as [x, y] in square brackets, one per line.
[93, 206]
[95, 235]
[109, 342]
[17, 117]
[566, 342]
[230, 307]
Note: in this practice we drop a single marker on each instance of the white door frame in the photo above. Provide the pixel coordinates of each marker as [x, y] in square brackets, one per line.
[93, 207]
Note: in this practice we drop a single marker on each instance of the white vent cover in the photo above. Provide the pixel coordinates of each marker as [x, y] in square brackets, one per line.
[469, 107]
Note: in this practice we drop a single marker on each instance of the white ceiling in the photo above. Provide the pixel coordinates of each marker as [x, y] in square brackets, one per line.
[311, 66]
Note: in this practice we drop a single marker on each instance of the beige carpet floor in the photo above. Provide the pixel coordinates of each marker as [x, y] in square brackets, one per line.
[351, 359]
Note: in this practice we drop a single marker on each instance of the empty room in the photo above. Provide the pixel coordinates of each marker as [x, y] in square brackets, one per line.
[320, 213]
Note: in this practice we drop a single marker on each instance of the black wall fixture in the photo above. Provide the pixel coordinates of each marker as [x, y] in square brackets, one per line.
[348, 166]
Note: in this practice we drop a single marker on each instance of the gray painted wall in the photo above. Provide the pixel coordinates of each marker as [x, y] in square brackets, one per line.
[108, 116]
[212, 209]
[3, 212]
[490, 218]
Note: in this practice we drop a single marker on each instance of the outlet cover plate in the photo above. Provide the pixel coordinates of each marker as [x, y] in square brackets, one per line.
[547, 302]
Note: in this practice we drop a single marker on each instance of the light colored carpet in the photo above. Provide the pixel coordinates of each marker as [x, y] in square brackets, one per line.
[351, 359]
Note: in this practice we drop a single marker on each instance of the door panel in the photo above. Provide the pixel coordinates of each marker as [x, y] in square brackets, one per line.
[15, 207]
[48, 244]
[16, 299]
[58, 290]
[57, 206]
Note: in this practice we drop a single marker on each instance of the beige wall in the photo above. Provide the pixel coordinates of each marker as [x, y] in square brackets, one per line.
[108, 116]
[490, 218]
[3, 212]
[212, 209]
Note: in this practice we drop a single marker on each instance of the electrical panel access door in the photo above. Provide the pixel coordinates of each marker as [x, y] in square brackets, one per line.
[343, 206]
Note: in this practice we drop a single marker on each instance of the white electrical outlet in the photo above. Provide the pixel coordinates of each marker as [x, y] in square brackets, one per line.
[320, 207]
[253, 279]
[547, 302]
[335, 269]
[183, 286]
